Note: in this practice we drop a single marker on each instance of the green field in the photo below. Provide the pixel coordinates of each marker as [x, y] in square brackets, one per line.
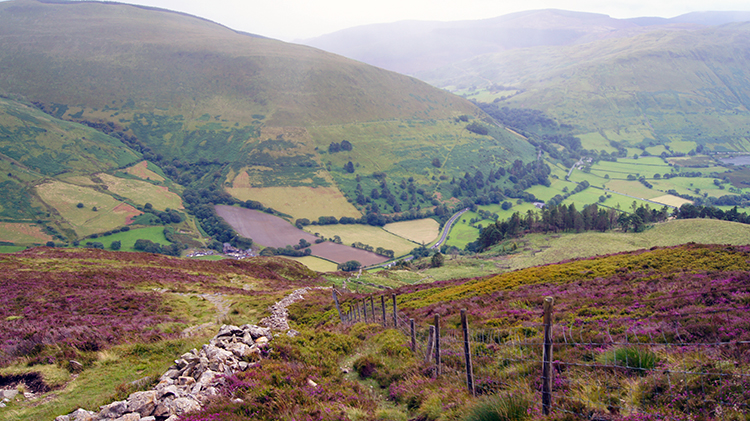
[109, 213]
[128, 238]
[23, 233]
[11, 249]
[142, 192]
[373, 236]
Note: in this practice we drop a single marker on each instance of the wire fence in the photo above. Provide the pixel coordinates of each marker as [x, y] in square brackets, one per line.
[694, 363]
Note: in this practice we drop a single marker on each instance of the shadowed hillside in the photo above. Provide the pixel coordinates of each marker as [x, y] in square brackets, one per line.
[656, 87]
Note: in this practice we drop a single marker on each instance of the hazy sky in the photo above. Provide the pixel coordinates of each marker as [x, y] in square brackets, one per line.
[297, 19]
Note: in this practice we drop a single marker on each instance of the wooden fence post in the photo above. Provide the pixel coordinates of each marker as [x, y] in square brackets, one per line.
[382, 305]
[356, 310]
[372, 309]
[364, 309]
[547, 357]
[413, 336]
[467, 354]
[395, 317]
[437, 345]
[430, 345]
[338, 307]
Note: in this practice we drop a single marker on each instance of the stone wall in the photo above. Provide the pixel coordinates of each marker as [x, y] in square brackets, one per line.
[196, 375]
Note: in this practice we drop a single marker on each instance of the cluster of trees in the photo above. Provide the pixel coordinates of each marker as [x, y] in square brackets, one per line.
[149, 246]
[200, 203]
[478, 128]
[380, 250]
[437, 259]
[372, 217]
[168, 216]
[349, 266]
[334, 147]
[688, 211]
[567, 218]
[285, 251]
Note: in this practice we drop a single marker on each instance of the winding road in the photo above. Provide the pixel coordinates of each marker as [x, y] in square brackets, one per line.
[447, 228]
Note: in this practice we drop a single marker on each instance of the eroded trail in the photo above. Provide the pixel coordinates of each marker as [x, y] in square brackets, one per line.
[278, 320]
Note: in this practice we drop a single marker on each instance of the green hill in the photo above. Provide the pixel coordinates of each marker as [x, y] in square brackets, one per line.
[666, 85]
[214, 108]
[35, 146]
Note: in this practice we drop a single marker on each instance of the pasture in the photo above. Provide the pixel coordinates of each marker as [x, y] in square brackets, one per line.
[109, 213]
[595, 141]
[421, 231]
[142, 192]
[462, 233]
[128, 238]
[142, 171]
[316, 263]
[541, 249]
[11, 249]
[23, 233]
[367, 234]
[299, 202]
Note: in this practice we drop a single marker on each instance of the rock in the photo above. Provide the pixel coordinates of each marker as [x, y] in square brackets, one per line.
[182, 406]
[8, 393]
[206, 379]
[162, 408]
[148, 419]
[311, 383]
[130, 417]
[186, 381]
[143, 403]
[114, 410]
[82, 415]
[257, 331]
[171, 374]
[167, 391]
[229, 330]
[240, 349]
[63, 418]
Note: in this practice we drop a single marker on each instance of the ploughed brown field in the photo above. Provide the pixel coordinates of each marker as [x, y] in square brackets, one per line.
[272, 231]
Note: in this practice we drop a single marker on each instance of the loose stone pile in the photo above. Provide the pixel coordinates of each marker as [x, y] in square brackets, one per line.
[195, 377]
[190, 382]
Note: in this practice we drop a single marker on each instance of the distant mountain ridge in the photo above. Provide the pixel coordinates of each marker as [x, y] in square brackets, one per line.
[413, 46]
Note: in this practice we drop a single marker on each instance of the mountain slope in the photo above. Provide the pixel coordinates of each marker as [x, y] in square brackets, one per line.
[91, 54]
[412, 46]
[216, 108]
[35, 146]
[658, 86]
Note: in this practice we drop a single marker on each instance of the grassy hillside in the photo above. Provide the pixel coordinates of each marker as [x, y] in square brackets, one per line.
[35, 146]
[652, 88]
[649, 335]
[207, 106]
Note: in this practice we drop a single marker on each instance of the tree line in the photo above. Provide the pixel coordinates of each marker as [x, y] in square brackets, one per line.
[566, 218]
